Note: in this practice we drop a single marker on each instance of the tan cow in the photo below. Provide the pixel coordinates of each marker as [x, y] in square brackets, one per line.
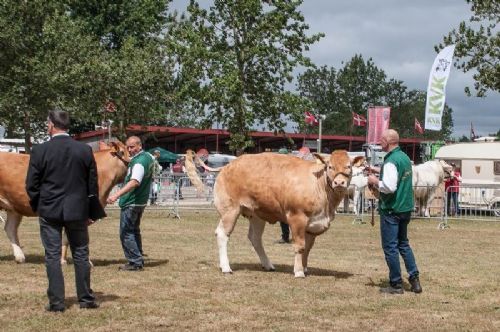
[270, 187]
[111, 169]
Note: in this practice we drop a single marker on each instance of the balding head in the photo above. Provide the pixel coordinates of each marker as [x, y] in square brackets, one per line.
[389, 140]
[134, 145]
[392, 136]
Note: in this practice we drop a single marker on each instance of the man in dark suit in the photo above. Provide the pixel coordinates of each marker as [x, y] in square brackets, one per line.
[61, 176]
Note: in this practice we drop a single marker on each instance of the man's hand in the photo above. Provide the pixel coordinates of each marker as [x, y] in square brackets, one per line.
[112, 198]
[90, 222]
[373, 180]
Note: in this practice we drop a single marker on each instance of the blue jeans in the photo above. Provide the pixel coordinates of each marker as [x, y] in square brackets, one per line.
[452, 197]
[394, 233]
[130, 234]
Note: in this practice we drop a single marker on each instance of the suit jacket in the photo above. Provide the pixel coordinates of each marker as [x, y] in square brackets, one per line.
[62, 174]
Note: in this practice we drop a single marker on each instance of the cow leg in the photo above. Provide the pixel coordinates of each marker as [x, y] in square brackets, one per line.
[255, 231]
[355, 202]
[310, 238]
[11, 228]
[298, 226]
[64, 249]
[222, 232]
[428, 205]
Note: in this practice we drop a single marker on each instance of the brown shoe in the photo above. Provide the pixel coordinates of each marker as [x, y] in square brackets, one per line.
[415, 285]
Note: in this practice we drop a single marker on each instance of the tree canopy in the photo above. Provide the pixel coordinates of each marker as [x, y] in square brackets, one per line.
[244, 53]
[478, 46]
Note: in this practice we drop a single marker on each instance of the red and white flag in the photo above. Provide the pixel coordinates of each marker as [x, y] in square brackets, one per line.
[110, 107]
[378, 121]
[418, 127]
[311, 119]
[358, 120]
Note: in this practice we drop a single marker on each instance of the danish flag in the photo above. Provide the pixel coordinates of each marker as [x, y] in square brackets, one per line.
[110, 107]
[311, 119]
[358, 120]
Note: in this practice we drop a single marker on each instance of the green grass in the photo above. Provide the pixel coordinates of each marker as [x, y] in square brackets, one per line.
[182, 288]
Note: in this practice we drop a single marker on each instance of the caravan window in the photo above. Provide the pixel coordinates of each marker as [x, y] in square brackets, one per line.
[496, 167]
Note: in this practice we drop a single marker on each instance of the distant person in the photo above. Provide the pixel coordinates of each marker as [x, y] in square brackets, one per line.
[133, 199]
[179, 172]
[155, 184]
[395, 206]
[62, 175]
[452, 188]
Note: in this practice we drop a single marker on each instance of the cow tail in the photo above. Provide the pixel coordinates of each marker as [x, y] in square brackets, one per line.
[192, 173]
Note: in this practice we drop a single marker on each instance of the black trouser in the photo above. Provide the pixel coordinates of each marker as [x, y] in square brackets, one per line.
[78, 237]
[285, 231]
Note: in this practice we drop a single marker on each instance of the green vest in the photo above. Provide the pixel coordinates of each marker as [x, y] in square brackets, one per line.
[402, 199]
[139, 195]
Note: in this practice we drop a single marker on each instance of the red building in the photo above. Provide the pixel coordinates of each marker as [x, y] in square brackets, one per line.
[177, 140]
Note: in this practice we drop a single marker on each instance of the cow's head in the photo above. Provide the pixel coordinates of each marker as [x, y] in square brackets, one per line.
[338, 169]
[447, 168]
[118, 149]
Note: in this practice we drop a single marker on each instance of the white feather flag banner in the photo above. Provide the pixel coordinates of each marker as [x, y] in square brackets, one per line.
[437, 87]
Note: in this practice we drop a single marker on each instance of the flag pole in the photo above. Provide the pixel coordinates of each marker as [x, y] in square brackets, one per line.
[319, 133]
[350, 133]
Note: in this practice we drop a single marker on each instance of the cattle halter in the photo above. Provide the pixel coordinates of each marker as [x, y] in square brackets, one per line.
[120, 155]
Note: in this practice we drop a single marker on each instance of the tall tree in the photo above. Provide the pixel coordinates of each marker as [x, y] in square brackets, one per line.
[134, 70]
[30, 81]
[245, 53]
[358, 85]
[478, 45]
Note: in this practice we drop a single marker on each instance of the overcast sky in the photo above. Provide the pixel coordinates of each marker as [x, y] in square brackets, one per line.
[399, 35]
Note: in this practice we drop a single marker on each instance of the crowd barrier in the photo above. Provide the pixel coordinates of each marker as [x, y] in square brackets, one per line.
[175, 191]
[475, 202]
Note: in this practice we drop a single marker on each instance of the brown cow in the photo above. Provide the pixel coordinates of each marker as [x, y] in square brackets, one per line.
[111, 169]
[272, 187]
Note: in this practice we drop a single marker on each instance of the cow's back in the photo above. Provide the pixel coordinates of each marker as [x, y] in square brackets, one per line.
[13, 170]
[429, 174]
[268, 185]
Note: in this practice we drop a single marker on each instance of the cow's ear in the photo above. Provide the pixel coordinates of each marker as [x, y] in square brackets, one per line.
[318, 169]
[358, 161]
[114, 146]
[320, 158]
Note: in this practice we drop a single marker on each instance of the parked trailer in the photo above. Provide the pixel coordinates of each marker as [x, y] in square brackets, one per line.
[479, 164]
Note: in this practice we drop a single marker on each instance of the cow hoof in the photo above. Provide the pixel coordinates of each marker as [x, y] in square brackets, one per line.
[20, 260]
[227, 271]
[90, 263]
[300, 274]
[269, 268]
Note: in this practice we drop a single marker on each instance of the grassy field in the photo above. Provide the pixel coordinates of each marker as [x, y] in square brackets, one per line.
[182, 288]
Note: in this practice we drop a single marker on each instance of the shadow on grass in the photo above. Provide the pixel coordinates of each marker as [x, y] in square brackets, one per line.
[382, 283]
[99, 296]
[40, 259]
[147, 262]
[30, 259]
[288, 269]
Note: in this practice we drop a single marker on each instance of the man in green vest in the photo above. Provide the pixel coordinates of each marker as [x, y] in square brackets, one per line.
[395, 207]
[133, 199]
